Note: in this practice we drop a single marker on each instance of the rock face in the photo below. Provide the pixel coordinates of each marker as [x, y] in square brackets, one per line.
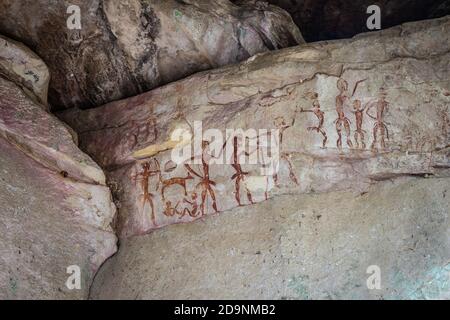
[22, 66]
[337, 115]
[331, 19]
[127, 47]
[55, 208]
[296, 247]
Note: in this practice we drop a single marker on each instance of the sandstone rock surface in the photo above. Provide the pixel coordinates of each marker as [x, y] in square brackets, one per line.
[22, 66]
[55, 209]
[348, 113]
[310, 246]
[127, 47]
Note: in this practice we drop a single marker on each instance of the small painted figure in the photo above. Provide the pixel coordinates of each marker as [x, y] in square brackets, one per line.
[194, 212]
[240, 175]
[170, 211]
[380, 130]
[359, 133]
[342, 122]
[320, 116]
[149, 169]
[281, 125]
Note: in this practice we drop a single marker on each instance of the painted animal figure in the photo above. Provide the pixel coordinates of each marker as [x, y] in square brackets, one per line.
[181, 181]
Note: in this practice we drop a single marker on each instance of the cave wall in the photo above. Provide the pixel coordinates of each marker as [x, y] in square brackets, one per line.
[127, 47]
[337, 19]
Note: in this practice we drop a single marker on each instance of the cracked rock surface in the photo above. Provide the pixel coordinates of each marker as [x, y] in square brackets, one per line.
[126, 47]
[349, 113]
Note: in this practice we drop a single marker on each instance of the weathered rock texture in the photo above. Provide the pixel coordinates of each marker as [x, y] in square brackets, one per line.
[55, 209]
[383, 99]
[22, 66]
[333, 19]
[127, 47]
[296, 247]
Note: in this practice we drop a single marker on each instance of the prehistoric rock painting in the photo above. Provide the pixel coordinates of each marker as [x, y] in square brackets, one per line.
[194, 211]
[197, 188]
[206, 184]
[142, 131]
[180, 181]
[331, 110]
[380, 130]
[282, 126]
[342, 122]
[240, 175]
[320, 116]
[196, 192]
[152, 169]
[170, 211]
[359, 132]
[444, 114]
[149, 169]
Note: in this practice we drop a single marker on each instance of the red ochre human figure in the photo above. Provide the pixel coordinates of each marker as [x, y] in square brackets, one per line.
[206, 183]
[240, 175]
[359, 133]
[281, 125]
[194, 212]
[320, 116]
[445, 124]
[170, 211]
[147, 172]
[261, 154]
[141, 131]
[342, 122]
[380, 130]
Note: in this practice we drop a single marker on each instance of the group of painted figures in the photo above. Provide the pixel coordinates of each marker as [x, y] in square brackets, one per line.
[204, 188]
[195, 204]
[380, 131]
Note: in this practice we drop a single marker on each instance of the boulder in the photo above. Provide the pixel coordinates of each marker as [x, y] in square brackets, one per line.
[22, 66]
[310, 246]
[56, 210]
[123, 48]
[323, 117]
